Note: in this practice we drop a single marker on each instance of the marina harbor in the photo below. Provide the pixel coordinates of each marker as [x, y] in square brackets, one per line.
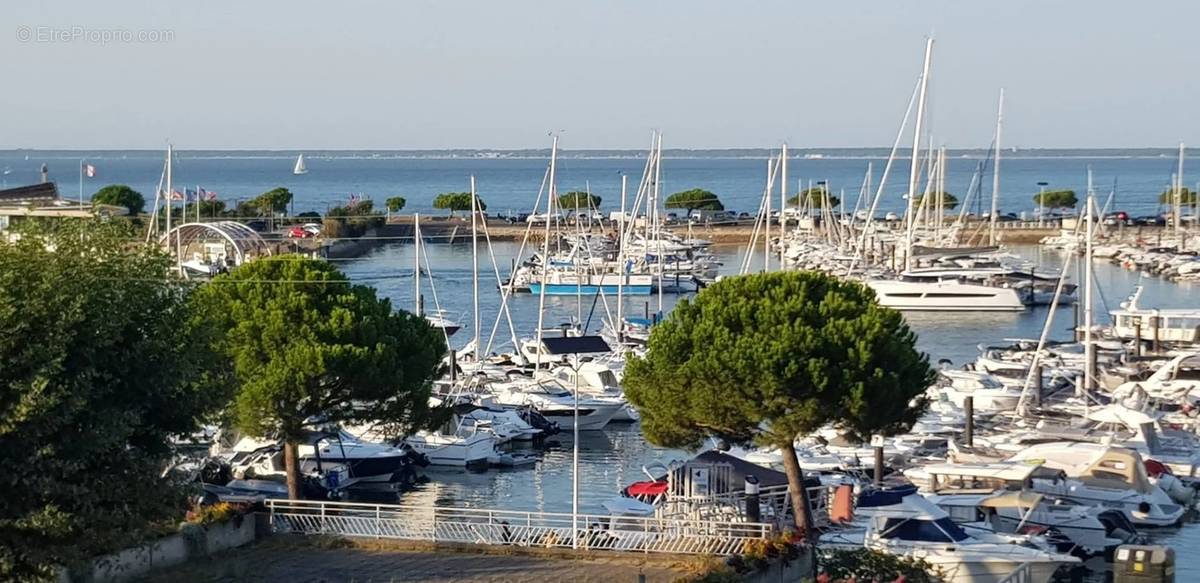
[667, 293]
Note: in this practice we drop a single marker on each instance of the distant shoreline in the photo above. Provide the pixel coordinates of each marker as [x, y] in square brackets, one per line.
[486, 154]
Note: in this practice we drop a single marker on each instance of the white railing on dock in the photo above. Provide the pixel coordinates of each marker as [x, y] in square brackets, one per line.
[1022, 574]
[514, 528]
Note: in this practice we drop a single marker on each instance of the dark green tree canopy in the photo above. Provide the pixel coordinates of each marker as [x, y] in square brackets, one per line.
[694, 199]
[1186, 196]
[395, 203]
[212, 208]
[1056, 199]
[351, 220]
[304, 342]
[949, 201]
[768, 357]
[457, 201]
[577, 199]
[814, 197]
[275, 200]
[100, 369]
[121, 195]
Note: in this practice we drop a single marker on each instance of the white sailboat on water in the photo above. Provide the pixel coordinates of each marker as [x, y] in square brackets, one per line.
[300, 168]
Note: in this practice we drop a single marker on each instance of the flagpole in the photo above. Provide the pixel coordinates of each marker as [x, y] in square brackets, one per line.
[81, 161]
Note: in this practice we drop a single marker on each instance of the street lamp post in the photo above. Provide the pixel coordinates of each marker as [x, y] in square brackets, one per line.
[1042, 203]
[575, 345]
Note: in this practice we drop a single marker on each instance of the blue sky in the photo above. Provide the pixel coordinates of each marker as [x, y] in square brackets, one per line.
[438, 74]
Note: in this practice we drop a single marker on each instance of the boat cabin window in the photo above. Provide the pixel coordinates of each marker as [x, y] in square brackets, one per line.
[608, 378]
[552, 390]
[980, 483]
[942, 530]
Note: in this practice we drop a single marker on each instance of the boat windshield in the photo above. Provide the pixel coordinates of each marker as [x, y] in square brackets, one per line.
[942, 530]
[608, 378]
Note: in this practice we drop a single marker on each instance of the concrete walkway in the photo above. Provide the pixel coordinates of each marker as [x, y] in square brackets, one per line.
[295, 561]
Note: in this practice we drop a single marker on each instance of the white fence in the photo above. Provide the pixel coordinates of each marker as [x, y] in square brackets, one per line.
[1022, 574]
[506, 527]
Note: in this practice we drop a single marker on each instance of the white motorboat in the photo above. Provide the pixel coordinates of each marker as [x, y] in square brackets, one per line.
[557, 404]
[1103, 475]
[595, 379]
[945, 296]
[915, 527]
[463, 448]
[441, 320]
[987, 393]
[505, 424]
[997, 495]
[1149, 324]
[1176, 381]
[356, 461]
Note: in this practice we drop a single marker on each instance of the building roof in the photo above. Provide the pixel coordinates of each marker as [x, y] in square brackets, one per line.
[43, 193]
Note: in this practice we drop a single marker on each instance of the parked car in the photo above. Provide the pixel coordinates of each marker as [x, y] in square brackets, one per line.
[313, 228]
[542, 217]
[1150, 221]
[1117, 218]
[257, 225]
[299, 233]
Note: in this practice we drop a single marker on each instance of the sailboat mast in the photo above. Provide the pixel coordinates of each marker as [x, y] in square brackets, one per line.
[551, 193]
[996, 173]
[767, 217]
[941, 191]
[1179, 193]
[170, 187]
[620, 323]
[417, 264]
[657, 226]
[475, 266]
[1089, 348]
[783, 155]
[914, 166]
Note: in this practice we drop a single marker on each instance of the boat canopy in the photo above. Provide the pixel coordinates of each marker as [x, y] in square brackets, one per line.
[1120, 415]
[1102, 466]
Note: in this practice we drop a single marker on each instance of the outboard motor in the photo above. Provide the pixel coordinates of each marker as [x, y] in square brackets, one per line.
[538, 421]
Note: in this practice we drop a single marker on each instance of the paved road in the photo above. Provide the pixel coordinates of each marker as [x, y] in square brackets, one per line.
[296, 563]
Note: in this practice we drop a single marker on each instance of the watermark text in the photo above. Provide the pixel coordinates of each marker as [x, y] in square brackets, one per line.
[99, 36]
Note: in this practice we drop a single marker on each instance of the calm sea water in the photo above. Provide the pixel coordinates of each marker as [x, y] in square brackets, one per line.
[512, 184]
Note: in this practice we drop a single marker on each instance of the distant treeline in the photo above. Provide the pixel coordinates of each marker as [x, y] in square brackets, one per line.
[486, 153]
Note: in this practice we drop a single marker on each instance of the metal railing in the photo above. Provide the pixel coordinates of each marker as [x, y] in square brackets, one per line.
[1022, 574]
[514, 528]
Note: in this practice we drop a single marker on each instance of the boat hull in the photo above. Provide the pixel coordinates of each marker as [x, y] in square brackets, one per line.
[946, 296]
[570, 289]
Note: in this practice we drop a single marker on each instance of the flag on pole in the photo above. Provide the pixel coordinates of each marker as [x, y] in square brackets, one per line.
[176, 195]
[89, 170]
[207, 194]
[191, 194]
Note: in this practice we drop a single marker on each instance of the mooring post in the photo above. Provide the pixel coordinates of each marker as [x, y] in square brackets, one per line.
[969, 406]
[1037, 386]
[1137, 337]
[753, 509]
[877, 445]
[879, 466]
